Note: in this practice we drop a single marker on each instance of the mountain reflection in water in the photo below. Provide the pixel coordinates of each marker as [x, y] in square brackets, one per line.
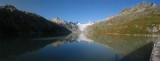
[75, 47]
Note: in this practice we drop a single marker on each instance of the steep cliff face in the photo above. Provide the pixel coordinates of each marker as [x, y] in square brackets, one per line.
[143, 18]
[13, 20]
[69, 25]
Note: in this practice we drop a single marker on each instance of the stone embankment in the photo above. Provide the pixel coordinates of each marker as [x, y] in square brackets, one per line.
[155, 56]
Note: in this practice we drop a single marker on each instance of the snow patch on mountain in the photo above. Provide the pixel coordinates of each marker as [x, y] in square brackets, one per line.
[82, 27]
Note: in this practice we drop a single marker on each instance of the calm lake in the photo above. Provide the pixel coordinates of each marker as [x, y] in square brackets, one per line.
[75, 47]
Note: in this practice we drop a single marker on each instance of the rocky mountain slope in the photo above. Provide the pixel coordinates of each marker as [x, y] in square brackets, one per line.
[69, 25]
[143, 18]
[13, 20]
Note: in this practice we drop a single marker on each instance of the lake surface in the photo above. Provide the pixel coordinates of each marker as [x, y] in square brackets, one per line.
[75, 47]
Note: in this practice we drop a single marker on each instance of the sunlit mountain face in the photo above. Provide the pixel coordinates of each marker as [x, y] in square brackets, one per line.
[143, 18]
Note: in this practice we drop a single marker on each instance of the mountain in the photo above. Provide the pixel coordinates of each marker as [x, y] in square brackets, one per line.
[13, 20]
[83, 26]
[69, 25]
[143, 18]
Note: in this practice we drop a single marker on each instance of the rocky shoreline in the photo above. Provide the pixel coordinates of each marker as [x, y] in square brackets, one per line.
[155, 55]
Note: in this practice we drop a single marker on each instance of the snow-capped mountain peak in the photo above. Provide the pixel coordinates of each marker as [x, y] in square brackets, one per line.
[83, 26]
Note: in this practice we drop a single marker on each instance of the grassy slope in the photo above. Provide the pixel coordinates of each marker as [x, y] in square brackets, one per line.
[136, 26]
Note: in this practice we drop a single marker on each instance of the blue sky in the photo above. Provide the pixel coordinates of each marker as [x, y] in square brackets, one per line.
[74, 10]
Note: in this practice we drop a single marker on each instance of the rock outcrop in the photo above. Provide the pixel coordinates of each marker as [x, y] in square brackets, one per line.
[69, 25]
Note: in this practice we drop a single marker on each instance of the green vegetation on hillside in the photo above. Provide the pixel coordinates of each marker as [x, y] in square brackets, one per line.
[145, 21]
[138, 26]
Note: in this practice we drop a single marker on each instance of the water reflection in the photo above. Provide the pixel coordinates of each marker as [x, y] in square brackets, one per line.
[130, 48]
[75, 47]
[83, 37]
[13, 45]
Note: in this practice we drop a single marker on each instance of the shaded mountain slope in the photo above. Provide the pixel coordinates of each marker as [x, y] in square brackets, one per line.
[13, 20]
